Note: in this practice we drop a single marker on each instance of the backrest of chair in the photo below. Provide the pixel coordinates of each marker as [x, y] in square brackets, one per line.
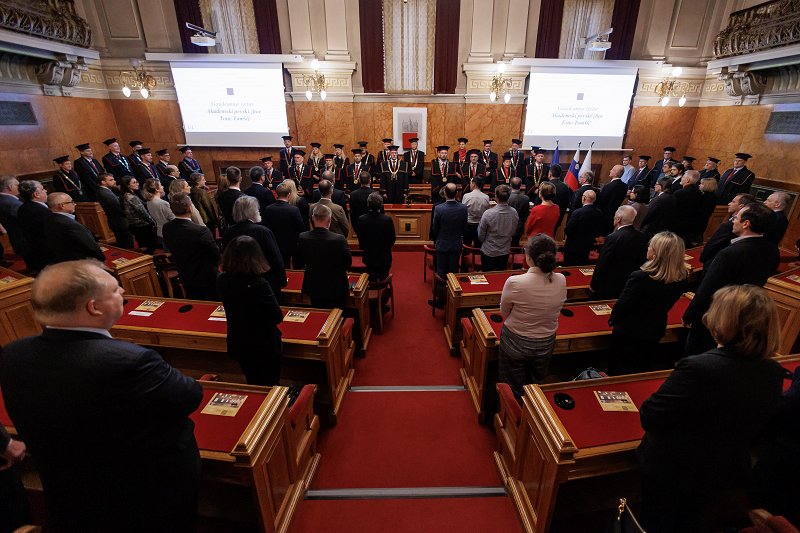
[506, 424]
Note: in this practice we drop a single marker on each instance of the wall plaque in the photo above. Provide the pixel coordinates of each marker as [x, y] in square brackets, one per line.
[17, 114]
[785, 122]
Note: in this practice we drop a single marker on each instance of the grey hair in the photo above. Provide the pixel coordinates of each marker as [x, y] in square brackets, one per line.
[246, 208]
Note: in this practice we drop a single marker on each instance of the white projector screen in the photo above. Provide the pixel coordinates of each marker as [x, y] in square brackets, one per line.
[573, 104]
[224, 104]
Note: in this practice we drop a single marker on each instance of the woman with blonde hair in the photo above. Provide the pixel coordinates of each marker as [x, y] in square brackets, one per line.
[182, 186]
[639, 317]
[153, 193]
[297, 200]
[701, 423]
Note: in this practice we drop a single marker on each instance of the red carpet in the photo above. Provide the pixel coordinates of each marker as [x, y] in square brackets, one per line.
[411, 350]
[406, 439]
[438, 515]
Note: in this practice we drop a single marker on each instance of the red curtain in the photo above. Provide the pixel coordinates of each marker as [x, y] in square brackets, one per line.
[623, 20]
[189, 11]
[445, 60]
[269, 33]
[370, 14]
[549, 36]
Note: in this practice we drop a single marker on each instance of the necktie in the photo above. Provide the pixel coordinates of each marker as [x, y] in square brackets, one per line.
[441, 167]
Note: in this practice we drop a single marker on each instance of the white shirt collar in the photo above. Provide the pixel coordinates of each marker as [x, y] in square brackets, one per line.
[742, 237]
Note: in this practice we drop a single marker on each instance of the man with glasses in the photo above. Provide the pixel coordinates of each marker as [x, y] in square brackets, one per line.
[67, 239]
[32, 214]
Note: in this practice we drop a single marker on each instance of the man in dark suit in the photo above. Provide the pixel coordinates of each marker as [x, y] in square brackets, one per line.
[448, 225]
[563, 192]
[735, 180]
[67, 239]
[327, 258]
[9, 214]
[676, 174]
[585, 181]
[226, 199]
[660, 211]
[585, 224]
[710, 169]
[258, 191]
[367, 158]
[394, 177]
[287, 154]
[66, 180]
[358, 199]
[286, 223]
[272, 176]
[777, 202]
[721, 238]
[109, 201]
[471, 169]
[88, 169]
[517, 157]
[376, 237]
[133, 157]
[188, 165]
[324, 195]
[488, 157]
[502, 175]
[750, 258]
[416, 161]
[32, 214]
[623, 252]
[658, 167]
[442, 173]
[536, 172]
[353, 171]
[114, 162]
[13, 500]
[300, 173]
[642, 175]
[144, 169]
[162, 168]
[520, 203]
[611, 195]
[688, 207]
[193, 248]
[106, 421]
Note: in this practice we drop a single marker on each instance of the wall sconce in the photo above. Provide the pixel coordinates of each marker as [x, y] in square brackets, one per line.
[500, 85]
[315, 82]
[666, 89]
[141, 80]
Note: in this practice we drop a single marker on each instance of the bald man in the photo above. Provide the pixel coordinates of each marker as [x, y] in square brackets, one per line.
[611, 195]
[777, 202]
[65, 238]
[623, 252]
[585, 224]
[106, 421]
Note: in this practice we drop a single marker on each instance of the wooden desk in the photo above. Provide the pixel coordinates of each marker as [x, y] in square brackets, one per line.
[422, 190]
[16, 313]
[554, 446]
[319, 351]
[693, 260]
[91, 215]
[785, 291]
[136, 272]
[412, 224]
[582, 332]
[357, 301]
[258, 458]
[463, 296]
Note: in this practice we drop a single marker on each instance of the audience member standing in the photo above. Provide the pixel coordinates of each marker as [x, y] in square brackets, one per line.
[228, 197]
[67, 239]
[701, 423]
[777, 201]
[153, 193]
[140, 222]
[583, 227]
[708, 187]
[202, 201]
[750, 258]
[181, 186]
[376, 236]
[521, 205]
[257, 189]
[639, 317]
[531, 303]
[585, 182]
[543, 217]
[449, 222]
[88, 170]
[477, 203]
[660, 210]
[623, 252]
[638, 199]
[286, 223]
[688, 207]
[112, 207]
[563, 194]
[358, 198]
[74, 387]
[14, 509]
[327, 258]
[339, 223]
[193, 248]
[721, 238]
[612, 195]
[252, 311]
[32, 215]
[496, 230]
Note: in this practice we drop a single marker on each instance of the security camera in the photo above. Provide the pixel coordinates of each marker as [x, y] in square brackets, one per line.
[203, 37]
[599, 42]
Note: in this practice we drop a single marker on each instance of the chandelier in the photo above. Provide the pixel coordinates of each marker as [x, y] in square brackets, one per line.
[315, 83]
[138, 79]
[666, 89]
[500, 86]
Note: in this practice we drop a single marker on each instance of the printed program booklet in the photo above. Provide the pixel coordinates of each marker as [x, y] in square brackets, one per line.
[615, 401]
[296, 316]
[224, 404]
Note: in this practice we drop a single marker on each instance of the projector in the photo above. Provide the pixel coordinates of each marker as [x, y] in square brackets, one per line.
[203, 40]
[599, 46]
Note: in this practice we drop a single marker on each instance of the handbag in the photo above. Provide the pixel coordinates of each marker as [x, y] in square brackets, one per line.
[590, 373]
[625, 522]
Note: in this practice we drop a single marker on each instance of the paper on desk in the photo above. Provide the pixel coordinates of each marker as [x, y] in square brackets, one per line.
[477, 279]
[139, 313]
[296, 316]
[224, 404]
[793, 277]
[615, 401]
[586, 271]
[149, 305]
[121, 261]
[8, 279]
[601, 309]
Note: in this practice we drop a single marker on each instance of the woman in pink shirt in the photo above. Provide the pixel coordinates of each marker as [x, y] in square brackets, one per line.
[544, 217]
[531, 303]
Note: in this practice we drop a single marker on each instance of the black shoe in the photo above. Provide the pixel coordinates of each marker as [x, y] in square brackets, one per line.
[436, 303]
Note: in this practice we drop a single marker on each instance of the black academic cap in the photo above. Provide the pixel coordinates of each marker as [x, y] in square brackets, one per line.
[134, 143]
[488, 141]
[516, 141]
[183, 149]
[337, 145]
[474, 152]
[644, 157]
[163, 151]
[82, 147]
[535, 148]
[394, 147]
[109, 142]
[387, 140]
[61, 159]
[316, 145]
[507, 156]
[463, 140]
[669, 148]
[362, 143]
[266, 158]
[414, 140]
[143, 151]
[357, 151]
[538, 151]
[442, 147]
[713, 159]
[287, 137]
[299, 152]
[328, 156]
[688, 158]
[742, 155]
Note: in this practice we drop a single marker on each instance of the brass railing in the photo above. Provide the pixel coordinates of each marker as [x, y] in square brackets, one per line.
[768, 25]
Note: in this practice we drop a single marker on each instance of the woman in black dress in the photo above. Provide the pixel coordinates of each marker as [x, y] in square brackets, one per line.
[252, 311]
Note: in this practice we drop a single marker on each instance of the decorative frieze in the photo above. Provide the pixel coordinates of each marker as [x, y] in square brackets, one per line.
[55, 20]
[765, 26]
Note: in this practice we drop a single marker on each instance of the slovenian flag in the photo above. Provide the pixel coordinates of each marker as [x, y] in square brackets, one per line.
[572, 174]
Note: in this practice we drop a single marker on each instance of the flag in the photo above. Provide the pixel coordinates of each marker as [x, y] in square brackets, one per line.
[554, 160]
[572, 174]
[587, 163]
